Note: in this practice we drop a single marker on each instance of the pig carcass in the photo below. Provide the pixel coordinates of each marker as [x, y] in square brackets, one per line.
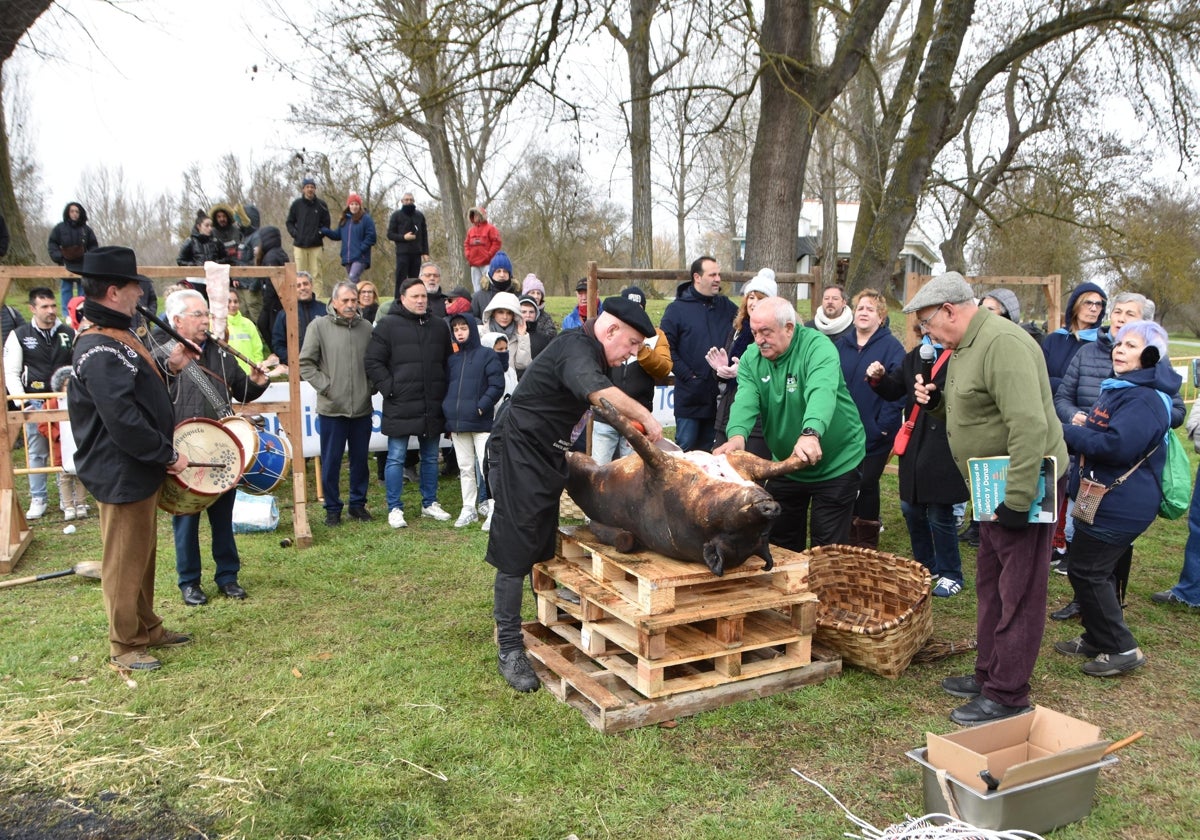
[696, 507]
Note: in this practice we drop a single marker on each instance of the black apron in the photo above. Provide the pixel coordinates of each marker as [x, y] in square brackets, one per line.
[526, 463]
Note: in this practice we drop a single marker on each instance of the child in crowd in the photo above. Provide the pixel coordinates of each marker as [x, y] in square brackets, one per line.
[72, 497]
[475, 385]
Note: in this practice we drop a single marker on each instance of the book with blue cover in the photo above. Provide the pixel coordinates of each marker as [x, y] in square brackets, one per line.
[989, 477]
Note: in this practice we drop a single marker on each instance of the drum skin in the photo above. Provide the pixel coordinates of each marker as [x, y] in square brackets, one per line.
[195, 488]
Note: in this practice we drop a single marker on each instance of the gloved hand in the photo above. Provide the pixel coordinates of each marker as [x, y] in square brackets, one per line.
[1013, 520]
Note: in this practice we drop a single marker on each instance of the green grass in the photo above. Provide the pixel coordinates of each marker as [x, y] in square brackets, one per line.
[361, 672]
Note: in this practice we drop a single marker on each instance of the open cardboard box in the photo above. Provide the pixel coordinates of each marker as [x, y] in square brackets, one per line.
[1017, 750]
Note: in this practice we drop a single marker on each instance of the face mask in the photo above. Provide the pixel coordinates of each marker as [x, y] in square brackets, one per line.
[503, 354]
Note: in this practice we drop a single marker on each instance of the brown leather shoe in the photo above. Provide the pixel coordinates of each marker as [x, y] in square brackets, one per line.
[137, 660]
[171, 639]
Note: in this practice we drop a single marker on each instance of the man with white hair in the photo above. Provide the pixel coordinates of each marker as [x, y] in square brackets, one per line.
[204, 389]
[997, 402]
[791, 380]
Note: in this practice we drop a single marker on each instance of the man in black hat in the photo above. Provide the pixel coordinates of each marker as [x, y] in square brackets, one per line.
[637, 376]
[123, 426]
[527, 466]
[578, 315]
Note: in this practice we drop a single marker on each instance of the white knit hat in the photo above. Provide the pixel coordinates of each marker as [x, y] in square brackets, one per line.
[763, 283]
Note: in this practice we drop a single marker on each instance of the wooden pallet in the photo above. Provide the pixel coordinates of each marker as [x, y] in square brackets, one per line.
[668, 627]
[609, 704]
[650, 582]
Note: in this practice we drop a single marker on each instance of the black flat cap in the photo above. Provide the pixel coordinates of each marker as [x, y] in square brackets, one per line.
[632, 314]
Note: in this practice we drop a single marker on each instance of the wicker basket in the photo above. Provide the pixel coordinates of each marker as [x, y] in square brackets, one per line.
[874, 607]
[567, 509]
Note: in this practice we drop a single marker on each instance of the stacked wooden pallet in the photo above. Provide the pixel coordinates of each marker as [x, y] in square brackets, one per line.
[640, 638]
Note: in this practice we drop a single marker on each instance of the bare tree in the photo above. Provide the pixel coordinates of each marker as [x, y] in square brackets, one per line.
[638, 43]
[18, 16]
[1156, 39]
[557, 221]
[444, 73]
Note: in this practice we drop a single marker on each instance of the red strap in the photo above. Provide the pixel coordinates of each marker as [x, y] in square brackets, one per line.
[941, 360]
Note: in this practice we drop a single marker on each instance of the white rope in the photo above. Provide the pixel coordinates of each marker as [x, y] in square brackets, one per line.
[928, 827]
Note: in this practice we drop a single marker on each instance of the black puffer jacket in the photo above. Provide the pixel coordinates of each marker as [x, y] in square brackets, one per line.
[406, 363]
[928, 474]
[67, 234]
[198, 249]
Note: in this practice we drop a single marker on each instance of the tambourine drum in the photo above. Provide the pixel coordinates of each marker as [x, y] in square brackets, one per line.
[194, 489]
[267, 456]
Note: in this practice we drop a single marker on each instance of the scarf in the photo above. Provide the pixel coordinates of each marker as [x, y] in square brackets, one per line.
[836, 325]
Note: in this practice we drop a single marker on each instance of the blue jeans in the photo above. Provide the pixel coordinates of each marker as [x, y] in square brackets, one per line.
[69, 287]
[1188, 587]
[607, 443]
[224, 549]
[393, 472]
[335, 434]
[38, 453]
[691, 433]
[934, 539]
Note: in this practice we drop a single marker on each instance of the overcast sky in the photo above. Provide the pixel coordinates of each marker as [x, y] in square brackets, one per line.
[154, 96]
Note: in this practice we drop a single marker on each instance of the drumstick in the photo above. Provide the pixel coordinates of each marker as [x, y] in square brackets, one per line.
[233, 351]
[206, 464]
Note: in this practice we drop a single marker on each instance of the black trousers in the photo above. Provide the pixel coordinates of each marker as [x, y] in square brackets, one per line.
[1092, 569]
[832, 503]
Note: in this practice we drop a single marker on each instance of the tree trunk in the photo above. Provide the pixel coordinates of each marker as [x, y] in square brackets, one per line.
[637, 50]
[931, 113]
[783, 139]
[20, 252]
[17, 17]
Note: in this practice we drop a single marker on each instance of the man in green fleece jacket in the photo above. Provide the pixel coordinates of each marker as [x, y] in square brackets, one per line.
[997, 401]
[792, 379]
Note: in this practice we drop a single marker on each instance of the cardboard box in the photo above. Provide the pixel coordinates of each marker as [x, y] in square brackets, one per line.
[1017, 750]
[1037, 807]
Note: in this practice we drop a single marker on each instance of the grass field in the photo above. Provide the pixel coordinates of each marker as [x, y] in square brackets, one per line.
[355, 695]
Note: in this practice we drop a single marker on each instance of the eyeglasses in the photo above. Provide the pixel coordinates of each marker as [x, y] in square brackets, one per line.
[1091, 303]
[196, 313]
[924, 322]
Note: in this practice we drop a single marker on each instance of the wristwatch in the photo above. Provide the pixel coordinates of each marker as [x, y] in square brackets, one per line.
[809, 430]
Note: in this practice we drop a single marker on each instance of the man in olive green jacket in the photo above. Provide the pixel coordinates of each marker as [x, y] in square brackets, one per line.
[997, 402]
[331, 360]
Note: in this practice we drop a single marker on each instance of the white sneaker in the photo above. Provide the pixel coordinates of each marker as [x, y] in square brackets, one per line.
[396, 518]
[434, 511]
[68, 513]
[37, 508]
[487, 523]
[485, 508]
[81, 511]
[465, 518]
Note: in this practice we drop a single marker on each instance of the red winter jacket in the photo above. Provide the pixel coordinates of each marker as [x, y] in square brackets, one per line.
[483, 240]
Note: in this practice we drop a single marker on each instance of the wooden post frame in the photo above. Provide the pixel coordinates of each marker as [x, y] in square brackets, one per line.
[15, 534]
[680, 275]
[1051, 287]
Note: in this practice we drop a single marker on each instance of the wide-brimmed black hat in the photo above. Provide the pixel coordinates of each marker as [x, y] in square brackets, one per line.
[110, 262]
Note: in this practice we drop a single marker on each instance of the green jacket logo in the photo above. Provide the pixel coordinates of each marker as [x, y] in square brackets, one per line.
[791, 384]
